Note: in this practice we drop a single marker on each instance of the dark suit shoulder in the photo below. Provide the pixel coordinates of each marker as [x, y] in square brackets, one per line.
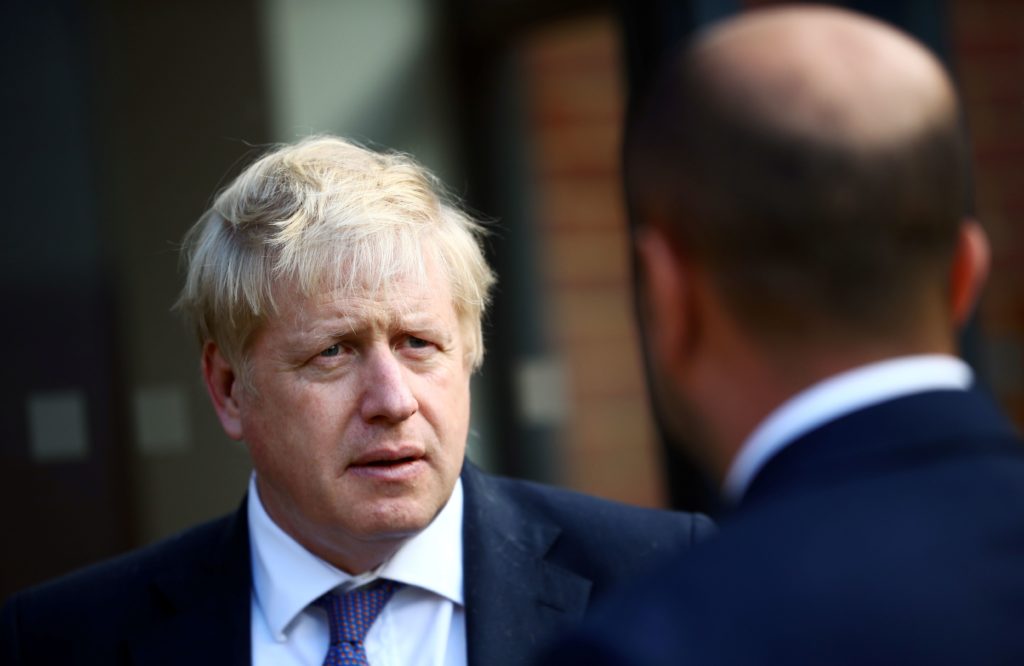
[914, 560]
[603, 540]
[604, 521]
[95, 609]
[113, 577]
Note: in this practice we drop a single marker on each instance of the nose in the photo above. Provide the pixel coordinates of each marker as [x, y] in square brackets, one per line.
[387, 397]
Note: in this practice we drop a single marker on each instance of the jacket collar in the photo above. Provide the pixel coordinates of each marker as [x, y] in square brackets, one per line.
[206, 611]
[515, 599]
[900, 432]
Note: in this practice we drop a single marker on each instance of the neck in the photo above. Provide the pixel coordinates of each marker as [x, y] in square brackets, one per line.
[740, 389]
[340, 548]
[356, 560]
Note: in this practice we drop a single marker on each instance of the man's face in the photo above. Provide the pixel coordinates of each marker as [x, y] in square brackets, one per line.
[358, 413]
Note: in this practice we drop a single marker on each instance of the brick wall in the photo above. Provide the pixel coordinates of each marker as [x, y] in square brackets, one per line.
[575, 103]
[988, 54]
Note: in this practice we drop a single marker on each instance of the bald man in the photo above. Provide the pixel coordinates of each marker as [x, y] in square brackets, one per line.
[799, 175]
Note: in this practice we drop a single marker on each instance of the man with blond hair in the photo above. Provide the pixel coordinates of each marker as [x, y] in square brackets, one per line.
[800, 179]
[337, 297]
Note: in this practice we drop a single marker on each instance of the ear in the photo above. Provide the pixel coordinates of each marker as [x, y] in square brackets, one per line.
[223, 386]
[665, 294]
[969, 271]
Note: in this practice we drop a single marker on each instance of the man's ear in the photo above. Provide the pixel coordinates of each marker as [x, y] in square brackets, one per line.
[666, 297]
[969, 271]
[224, 388]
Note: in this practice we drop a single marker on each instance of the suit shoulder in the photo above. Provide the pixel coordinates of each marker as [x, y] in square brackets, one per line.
[94, 614]
[601, 523]
[111, 579]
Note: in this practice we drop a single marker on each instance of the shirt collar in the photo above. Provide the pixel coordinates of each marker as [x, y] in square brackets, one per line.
[837, 396]
[287, 577]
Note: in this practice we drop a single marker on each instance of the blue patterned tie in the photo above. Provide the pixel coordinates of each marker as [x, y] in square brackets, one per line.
[350, 616]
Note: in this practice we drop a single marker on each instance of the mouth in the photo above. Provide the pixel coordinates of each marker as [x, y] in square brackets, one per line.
[387, 463]
[395, 463]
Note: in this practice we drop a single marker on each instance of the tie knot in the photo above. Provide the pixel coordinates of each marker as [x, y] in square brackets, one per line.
[350, 615]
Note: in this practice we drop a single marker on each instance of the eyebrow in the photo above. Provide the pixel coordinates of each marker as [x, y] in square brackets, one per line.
[333, 328]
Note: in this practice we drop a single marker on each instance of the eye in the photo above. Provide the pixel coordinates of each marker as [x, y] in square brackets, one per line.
[333, 350]
[417, 343]
[418, 347]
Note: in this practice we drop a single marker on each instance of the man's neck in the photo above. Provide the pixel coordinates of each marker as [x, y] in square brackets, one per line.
[745, 387]
[840, 394]
[339, 548]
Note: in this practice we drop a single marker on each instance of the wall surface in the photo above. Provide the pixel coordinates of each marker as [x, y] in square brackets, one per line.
[575, 107]
[988, 58]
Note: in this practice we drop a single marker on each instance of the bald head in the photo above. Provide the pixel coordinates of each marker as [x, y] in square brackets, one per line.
[825, 73]
[811, 160]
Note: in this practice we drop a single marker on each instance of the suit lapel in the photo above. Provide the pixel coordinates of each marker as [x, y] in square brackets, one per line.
[515, 599]
[204, 606]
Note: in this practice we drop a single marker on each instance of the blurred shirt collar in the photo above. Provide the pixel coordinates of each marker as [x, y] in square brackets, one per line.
[838, 396]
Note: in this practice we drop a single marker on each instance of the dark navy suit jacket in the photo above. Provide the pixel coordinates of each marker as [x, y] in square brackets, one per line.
[894, 535]
[534, 557]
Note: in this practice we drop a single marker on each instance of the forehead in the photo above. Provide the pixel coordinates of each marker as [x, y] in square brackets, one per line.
[412, 299]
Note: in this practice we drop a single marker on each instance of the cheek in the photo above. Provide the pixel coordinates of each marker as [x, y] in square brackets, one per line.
[460, 424]
[458, 395]
[278, 423]
[446, 406]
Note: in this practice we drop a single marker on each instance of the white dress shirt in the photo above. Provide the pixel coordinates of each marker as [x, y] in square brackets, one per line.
[424, 623]
[835, 397]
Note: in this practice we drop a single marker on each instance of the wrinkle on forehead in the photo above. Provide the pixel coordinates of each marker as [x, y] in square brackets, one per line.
[382, 309]
[408, 301]
[826, 74]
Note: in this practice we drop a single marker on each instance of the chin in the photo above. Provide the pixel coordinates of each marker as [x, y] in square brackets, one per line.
[394, 519]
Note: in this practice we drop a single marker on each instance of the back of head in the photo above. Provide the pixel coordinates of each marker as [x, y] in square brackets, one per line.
[812, 160]
[319, 215]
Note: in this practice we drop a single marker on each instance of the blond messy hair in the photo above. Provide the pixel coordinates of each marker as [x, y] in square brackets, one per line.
[325, 213]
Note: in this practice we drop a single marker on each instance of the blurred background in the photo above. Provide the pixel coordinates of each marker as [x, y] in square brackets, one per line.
[121, 120]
